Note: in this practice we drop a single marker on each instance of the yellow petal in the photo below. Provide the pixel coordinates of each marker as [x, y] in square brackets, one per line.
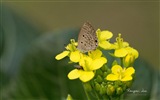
[98, 63]
[129, 58]
[104, 44]
[82, 60]
[72, 45]
[86, 62]
[125, 44]
[95, 54]
[75, 56]
[69, 47]
[113, 46]
[104, 35]
[116, 69]
[126, 78]
[133, 51]
[120, 52]
[74, 74]
[129, 71]
[62, 55]
[86, 76]
[112, 77]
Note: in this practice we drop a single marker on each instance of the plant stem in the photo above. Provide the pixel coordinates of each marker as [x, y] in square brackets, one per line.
[97, 95]
[88, 98]
[121, 61]
[121, 96]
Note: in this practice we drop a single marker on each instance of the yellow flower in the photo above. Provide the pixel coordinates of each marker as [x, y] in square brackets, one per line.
[122, 48]
[120, 74]
[84, 76]
[132, 51]
[122, 52]
[72, 45]
[88, 63]
[103, 37]
[71, 51]
[129, 59]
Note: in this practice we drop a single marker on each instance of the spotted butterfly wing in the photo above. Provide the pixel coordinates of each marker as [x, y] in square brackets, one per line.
[87, 39]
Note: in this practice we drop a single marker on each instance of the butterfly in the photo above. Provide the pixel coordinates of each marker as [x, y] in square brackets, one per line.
[87, 38]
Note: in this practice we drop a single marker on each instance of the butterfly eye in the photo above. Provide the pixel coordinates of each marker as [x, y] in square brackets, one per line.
[95, 40]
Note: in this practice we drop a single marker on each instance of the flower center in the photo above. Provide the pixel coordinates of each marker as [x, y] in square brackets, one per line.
[121, 73]
[119, 41]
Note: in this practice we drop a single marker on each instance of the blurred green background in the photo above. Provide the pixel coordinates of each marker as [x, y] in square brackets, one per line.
[33, 32]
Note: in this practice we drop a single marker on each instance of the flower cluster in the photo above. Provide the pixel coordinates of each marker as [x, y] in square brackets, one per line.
[93, 70]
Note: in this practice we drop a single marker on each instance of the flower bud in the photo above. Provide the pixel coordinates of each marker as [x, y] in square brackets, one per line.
[129, 83]
[104, 68]
[102, 90]
[118, 83]
[99, 72]
[119, 90]
[123, 87]
[110, 90]
[128, 60]
[87, 86]
[104, 83]
[105, 74]
[99, 79]
[97, 86]
[69, 97]
[114, 62]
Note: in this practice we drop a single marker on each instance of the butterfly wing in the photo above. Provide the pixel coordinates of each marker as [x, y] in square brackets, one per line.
[87, 39]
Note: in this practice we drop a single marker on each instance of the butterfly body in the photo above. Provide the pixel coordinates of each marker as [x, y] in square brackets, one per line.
[87, 39]
[78, 67]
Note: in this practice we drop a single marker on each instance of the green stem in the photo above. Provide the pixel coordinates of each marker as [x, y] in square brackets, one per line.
[97, 95]
[121, 96]
[105, 97]
[88, 98]
[121, 61]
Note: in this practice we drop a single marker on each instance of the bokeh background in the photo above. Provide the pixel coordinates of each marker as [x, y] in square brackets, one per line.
[34, 31]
